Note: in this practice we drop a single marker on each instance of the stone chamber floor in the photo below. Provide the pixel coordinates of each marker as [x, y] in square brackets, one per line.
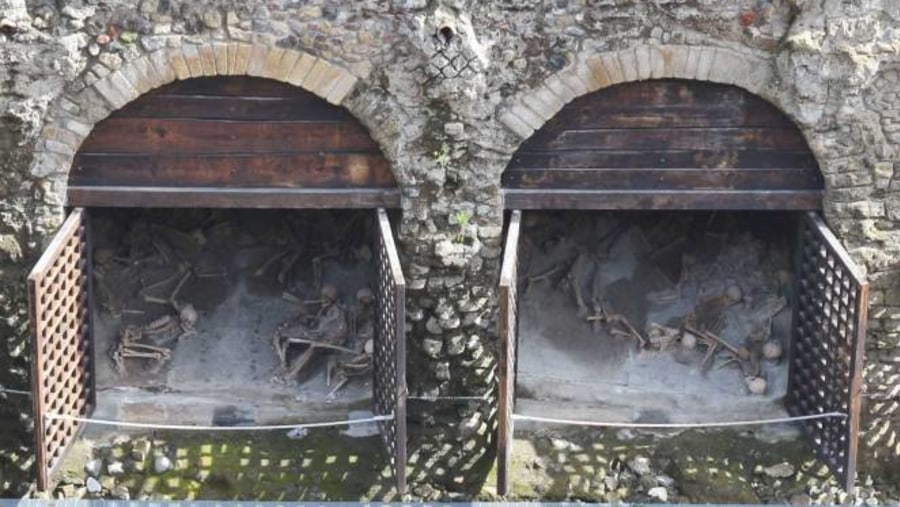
[550, 464]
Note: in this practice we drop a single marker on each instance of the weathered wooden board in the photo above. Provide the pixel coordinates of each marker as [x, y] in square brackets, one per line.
[660, 200]
[165, 136]
[665, 144]
[320, 170]
[222, 135]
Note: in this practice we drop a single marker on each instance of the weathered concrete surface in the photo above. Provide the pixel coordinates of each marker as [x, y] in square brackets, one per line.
[449, 131]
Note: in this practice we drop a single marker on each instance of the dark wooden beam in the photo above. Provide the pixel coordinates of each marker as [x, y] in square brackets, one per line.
[667, 178]
[200, 197]
[663, 199]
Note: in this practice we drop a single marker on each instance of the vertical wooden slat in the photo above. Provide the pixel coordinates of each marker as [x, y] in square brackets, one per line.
[58, 290]
[856, 382]
[828, 345]
[508, 336]
[390, 390]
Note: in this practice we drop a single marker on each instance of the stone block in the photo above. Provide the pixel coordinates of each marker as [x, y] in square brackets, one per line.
[705, 62]
[93, 106]
[192, 59]
[110, 93]
[729, 67]
[613, 67]
[558, 88]
[757, 76]
[693, 62]
[675, 60]
[48, 163]
[571, 79]
[242, 59]
[528, 116]
[642, 60]
[257, 60]
[599, 75]
[119, 80]
[272, 64]
[548, 98]
[60, 148]
[658, 58]
[628, 64]
[322, 77]
[301, 69]
[221, 55]
[163, 65]
[61, 134]
[286, 65]
[136, 74]
[432, 347]
[541, 108]
[516, 124]
[80, 128]
[342, 88]
[232, 56]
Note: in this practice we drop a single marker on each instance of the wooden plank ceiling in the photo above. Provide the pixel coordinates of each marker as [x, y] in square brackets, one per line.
[231, 142]
[665, 144]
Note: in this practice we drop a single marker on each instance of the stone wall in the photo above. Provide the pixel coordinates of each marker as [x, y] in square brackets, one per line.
[449, 88]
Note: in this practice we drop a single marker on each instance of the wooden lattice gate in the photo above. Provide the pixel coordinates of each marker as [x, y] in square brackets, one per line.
[828, 345]
[826, 356]
[62, 365]
[390, 348]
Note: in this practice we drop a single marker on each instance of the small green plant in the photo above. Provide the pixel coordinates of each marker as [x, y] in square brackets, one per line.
[461, 219]
[128, 37]
[442, 156]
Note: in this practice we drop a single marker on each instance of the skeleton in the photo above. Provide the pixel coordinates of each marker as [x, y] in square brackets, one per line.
[340, 371]
[661, 336]
[327, 329]
[618, 324]
[133, 342]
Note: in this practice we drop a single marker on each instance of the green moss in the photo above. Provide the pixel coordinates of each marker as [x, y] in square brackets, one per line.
[708, 466]
[324, 465]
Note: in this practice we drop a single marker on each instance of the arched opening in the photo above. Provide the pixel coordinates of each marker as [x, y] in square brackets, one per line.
[665, 264]
[231, 142]
[228, 261]
[665, 144]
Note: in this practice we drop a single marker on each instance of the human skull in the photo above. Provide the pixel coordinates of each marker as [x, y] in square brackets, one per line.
[688, 340]
[188, 317]
[365, 297]
[772, 350]
[756, 385]
[734, 293]
[329, 293]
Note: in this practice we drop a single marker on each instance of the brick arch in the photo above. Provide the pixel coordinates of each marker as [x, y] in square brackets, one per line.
[593, 71]
[77, 112]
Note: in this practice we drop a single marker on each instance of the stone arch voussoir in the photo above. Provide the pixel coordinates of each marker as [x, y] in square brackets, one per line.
[76, 113]
[593, 71]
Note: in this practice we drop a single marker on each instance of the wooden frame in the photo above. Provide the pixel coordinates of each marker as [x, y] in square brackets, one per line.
[662, 200]
[828, 345]
[390, 389]
[199, 197]
[508, 338]
[62, 373]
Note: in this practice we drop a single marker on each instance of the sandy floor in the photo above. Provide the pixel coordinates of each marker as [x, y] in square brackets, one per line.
[223, 373]
[568, 366]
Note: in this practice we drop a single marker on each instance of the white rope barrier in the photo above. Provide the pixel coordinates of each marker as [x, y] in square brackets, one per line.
[448, 398]
[752, 422]
[4, 389]
[189, 427]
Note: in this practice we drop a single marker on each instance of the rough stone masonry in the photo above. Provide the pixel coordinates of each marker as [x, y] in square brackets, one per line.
[449, 88]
